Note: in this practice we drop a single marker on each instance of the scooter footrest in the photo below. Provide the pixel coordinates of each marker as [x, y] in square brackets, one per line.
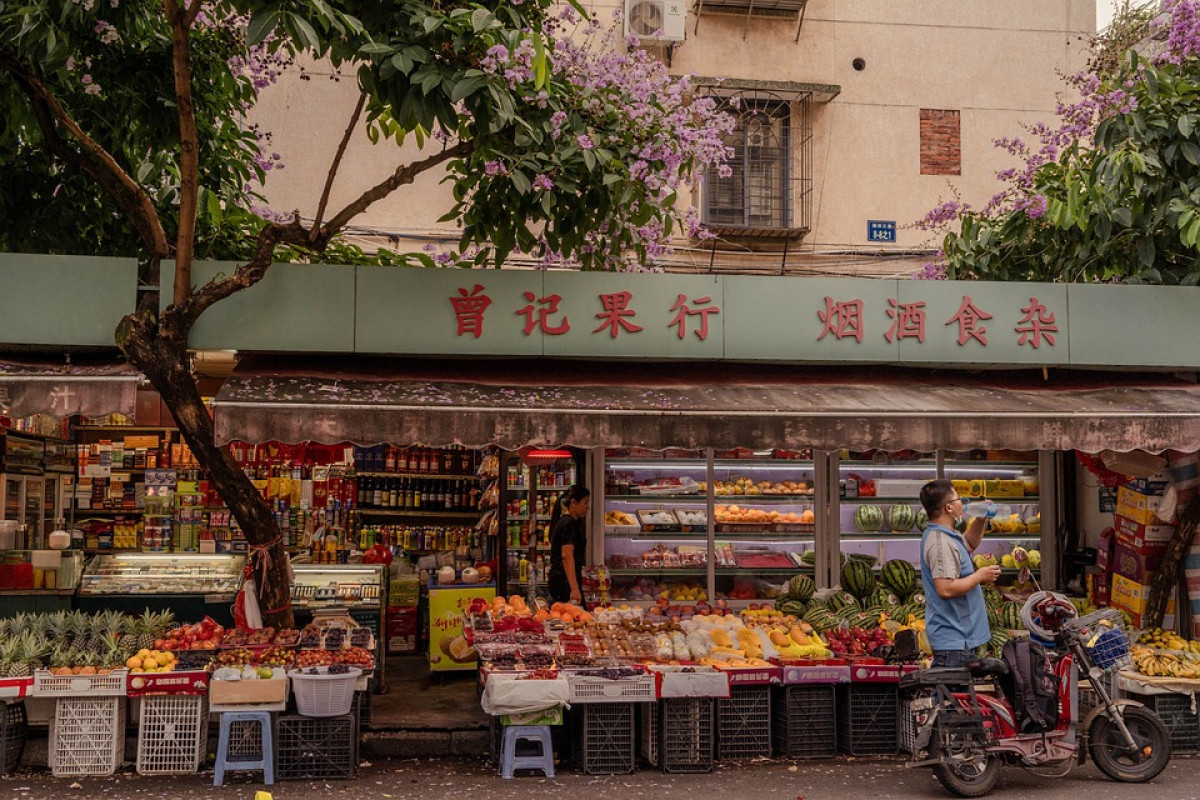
[934, 676]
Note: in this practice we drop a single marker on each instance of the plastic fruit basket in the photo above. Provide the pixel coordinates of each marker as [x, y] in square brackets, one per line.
[324, 695]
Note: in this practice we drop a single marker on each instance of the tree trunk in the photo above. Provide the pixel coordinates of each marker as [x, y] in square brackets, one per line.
[163, 359]
[1167, 576]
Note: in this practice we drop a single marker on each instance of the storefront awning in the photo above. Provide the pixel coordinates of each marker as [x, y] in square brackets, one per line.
[693, 405]
[64, 390]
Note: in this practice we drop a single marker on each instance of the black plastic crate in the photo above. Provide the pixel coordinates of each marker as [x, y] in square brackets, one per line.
[315, 748]
[362, 709]
[605, 735]
[1175, 710]
[867, 717]
[14, 730]
[804, 721]
[685, 729]
[744, 723]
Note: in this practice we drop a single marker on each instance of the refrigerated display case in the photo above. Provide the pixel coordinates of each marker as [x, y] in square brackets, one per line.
[38, 581]
[657, 531]
[530, 484]
[358, 590]
[192, 586]
[880, 514]
[32, 497]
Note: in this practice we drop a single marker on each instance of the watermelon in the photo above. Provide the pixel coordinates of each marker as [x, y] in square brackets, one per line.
[839, 600]
[922, 519]
[868, 518]
[901, 518]
[801, 587]
[821, 619]
[1010, 616]
[883, 598]
[993, 615]
[791, 606]
[869, 560]
[858, 578]
[918, 598]
[808, 557]
[863, 619]
[899, 576]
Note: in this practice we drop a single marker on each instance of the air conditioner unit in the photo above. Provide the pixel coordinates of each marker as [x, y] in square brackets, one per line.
[658, 20]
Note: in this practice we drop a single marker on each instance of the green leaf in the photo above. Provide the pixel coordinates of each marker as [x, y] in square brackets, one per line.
[1191, 152]
[1123, 216]
[376, 49]
[589, 160]
[539, 62]
[305, 31]
[481, 18]
[1186, 124]
[1146, 251]
[466, 87]
[261, 26]
[520, 181]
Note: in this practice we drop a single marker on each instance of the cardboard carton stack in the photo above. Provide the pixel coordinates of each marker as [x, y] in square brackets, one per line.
[1141, 541]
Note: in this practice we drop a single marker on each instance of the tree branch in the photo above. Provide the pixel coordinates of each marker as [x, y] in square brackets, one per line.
[95, 162]
[189, 18]
[337, 160]
[189, 148]
[404, 174]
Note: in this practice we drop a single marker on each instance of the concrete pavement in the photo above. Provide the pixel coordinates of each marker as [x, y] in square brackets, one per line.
[433, 779]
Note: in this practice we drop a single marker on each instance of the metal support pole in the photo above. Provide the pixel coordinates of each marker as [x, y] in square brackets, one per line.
[710, 515]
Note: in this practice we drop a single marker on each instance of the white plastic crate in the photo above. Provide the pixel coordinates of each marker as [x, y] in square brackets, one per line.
[172, 734]
[110, 685]
[585, 689]
[87, 736]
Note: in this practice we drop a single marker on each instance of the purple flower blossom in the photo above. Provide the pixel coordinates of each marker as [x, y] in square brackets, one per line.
[584, 141]
[494, 168]
[543, 183]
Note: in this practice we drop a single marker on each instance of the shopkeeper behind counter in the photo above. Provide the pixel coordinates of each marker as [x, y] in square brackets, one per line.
[568, 545]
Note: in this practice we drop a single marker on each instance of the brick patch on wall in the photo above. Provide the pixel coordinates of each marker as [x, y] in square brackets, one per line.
[941, 142]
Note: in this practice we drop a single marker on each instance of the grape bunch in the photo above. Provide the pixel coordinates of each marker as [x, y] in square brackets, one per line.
[335, 638]
[192, 659]
[310, 637]
[360, 637]
[338, 669]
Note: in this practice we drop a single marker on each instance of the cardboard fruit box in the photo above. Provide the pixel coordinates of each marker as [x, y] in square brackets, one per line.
[236, 693]
[1141, 508]
[1136, 563]
[1140, 534]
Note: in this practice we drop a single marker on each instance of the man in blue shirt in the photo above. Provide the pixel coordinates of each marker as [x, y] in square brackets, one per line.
[956, 621]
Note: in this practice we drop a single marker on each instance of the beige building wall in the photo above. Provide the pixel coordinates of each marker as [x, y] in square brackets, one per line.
[999, 64]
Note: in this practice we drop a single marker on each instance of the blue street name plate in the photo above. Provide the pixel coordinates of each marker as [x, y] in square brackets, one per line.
[881, 230]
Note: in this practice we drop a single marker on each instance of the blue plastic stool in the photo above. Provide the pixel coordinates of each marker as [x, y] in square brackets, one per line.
[266, 759]
[511, 762]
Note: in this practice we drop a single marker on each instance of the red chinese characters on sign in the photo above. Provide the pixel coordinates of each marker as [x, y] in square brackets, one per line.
[615, 314]
[842, 319]
[968, 318]
[908, 321]
[683, 311]
[536, 318]
[468, 310]
[1037, 324]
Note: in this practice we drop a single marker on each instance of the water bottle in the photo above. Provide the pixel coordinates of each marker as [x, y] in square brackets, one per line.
[984, 508]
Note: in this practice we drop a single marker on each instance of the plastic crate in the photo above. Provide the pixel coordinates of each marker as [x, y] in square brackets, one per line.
[362, 709]
[744, 723]
[605, 736]
[14, 730]
[87, 736]
[1175, 710]
[907, 724]
[245, 741]
[804, 721]
[172, 734]
[315, 748]
[648, 732]
[110, 685]
[586, 689]
[866, 719]
[686, 734]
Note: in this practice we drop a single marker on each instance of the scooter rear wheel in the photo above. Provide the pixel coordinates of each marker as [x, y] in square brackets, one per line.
[968, 778]
[1151, 756]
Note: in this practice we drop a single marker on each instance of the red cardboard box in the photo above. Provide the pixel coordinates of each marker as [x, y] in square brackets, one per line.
[1099, 589]
[1104, 549]
[1137, 563]
[402, 630]
[1140, 534]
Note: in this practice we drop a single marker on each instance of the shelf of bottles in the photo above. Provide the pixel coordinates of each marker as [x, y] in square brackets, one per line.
[656, 525]
[527, 488]
[880, 511]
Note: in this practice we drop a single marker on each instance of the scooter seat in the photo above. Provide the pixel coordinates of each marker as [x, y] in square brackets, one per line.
[934, 676]
[989, 668]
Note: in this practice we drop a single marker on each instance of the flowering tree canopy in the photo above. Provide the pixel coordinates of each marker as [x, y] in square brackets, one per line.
[1112, 191]
[122, 133]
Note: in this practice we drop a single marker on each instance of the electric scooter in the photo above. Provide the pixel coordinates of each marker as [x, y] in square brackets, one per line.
[966, 736]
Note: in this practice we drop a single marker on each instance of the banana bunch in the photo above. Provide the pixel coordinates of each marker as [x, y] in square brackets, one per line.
[1167, 640]
[1162, 664]
[619, 518]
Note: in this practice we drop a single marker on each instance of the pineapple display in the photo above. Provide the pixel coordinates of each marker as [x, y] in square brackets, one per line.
[144, 630]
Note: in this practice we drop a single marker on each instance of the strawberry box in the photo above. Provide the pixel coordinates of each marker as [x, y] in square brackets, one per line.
[1140, 534]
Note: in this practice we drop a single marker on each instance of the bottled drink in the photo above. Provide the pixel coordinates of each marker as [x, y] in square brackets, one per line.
[984, 508]
[377, 493]
[389, 462]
